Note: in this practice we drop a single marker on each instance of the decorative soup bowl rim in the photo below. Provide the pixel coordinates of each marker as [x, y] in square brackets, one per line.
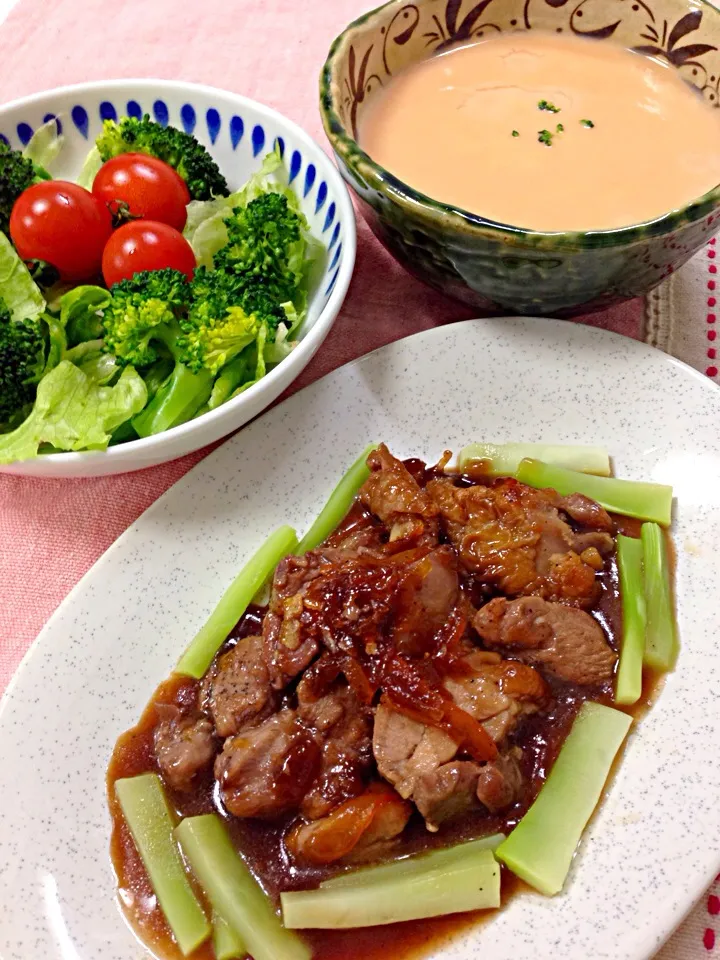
[346, 146]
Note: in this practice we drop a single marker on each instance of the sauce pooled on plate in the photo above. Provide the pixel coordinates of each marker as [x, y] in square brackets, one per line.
[547, 132]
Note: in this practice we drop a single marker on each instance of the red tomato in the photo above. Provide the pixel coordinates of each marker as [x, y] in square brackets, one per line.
[145, 245]
[62, 224]
[148, 187]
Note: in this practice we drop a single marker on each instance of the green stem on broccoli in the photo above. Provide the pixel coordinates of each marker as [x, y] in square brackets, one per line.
[631, 498]
[661, 645]
[145, 808]
[233, 892]
[541, 847]
[233, 603]
[339, 503]
[628, 682]
[176, 402]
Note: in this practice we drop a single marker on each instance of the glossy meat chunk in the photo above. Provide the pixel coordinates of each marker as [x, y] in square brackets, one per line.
[563, 641]
[342, 727]
[265, 771]
[513, 537]
[500, 782]
[393, 495]
[422, 761]
[236, 691]
[184, 746]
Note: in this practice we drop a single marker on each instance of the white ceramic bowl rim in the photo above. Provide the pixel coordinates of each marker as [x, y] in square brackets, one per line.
[315, 334]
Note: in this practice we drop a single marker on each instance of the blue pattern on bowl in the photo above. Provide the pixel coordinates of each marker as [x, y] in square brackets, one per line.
[309, 179]
[231, 127]
[161, 113]
[80, 118]
[107, 111]
[24, 131]
[188, 117]
[237, 129]
[212, 118]
[258, 139]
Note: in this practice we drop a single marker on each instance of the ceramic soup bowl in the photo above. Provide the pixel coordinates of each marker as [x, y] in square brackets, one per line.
[496, 267]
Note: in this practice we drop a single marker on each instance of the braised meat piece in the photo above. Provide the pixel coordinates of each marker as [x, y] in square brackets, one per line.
[500, 782]
[421, 761]
[393, 495]
[184, 746]
[425, 600]
[358, 829]
[342, 727]
[265, 771]
[237, 691]
[513, 536]
[564, 641]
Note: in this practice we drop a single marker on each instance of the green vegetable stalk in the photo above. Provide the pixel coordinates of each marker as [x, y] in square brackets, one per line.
[541, 847]
[146, 811]
[339, 503]
[409, 867]
[469, 882]
[630, 498]
[503, 460]
[233, 603]
[233, 893]
[628, 683]
[661, 645]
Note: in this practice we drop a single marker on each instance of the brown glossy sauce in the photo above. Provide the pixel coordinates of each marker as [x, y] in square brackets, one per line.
[260, 843]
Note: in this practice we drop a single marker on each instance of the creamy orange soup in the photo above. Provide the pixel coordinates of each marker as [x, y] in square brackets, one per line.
[547, 132]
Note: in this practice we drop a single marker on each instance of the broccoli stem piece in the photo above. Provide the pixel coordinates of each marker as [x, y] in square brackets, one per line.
[227, 943]
[410, 867]
[628, 683]
[233, 603]
[503, 460]
[541, 847]
[232, 891]
[177, 401]
[661, 646]
[470, 882]
[646, 501]
[147, 814]
[339, 503]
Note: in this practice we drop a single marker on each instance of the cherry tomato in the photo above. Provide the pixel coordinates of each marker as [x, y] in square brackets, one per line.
[62, 224]
[148, 188]
[145, 245]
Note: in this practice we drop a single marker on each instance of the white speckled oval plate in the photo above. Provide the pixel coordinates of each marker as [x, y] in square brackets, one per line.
[655, 843]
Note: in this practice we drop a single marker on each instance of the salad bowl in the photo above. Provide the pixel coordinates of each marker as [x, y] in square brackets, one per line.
[238, 133]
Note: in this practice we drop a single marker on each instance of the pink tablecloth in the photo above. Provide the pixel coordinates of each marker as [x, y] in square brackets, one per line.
[52, 531]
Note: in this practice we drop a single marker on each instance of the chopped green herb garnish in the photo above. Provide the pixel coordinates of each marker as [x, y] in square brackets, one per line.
[587, 123]
[544, 136]
[546, 105]
[559, 128]
[515, 133]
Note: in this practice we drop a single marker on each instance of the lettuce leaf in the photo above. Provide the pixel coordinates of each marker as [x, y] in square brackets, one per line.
[21, 294]
[73, 412]
[205, 227]
[80, 312]
[44, 146]
[90, 167]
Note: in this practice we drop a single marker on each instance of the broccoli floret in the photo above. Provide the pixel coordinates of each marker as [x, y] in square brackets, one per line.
[17, 173]
[228, 312]
[179, 149]
[22, 361]
[143, 314]
[265, 246]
